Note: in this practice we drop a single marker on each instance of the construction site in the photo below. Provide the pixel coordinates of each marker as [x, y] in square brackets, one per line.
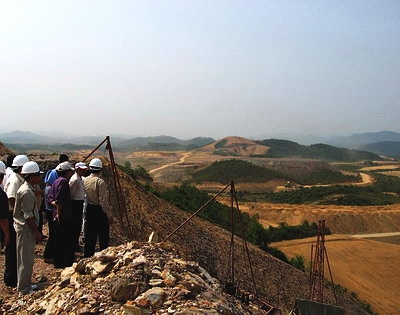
[251, 279]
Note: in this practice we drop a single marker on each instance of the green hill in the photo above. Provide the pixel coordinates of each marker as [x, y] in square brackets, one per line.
[242, 171]
[387, 148]
[236, 170]
[290, 149]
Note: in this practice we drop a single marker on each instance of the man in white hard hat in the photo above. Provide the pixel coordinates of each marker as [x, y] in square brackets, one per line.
[4, 212]
[26, 220]
[98, 213]
[14, 182]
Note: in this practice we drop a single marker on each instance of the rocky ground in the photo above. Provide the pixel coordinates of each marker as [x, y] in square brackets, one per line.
[134, 278]
[43, 274]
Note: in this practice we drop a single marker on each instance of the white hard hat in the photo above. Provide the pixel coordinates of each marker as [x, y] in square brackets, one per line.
[20, 160]
[64, 166]
[30, 167]
[95, 164]
[81, 166]
[2, 168]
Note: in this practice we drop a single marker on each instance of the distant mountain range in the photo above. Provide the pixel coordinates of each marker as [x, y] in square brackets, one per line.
[358, 141]
[24, 140]
[384, 143]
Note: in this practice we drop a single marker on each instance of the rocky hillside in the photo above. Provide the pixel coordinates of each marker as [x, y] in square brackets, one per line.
[4, 150]
[209, 245]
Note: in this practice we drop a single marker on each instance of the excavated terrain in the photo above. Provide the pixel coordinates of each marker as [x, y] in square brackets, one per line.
[207, 244]
[276, 282]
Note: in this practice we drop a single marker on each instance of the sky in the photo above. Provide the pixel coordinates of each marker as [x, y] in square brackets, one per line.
[200, 68]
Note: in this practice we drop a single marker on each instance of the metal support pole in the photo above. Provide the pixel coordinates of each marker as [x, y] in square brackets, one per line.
[117, 185]
[94, 150]
[245, 242]
[194, 214]
[318, 256]
[231, 284]
[232, 244]
[118, 189]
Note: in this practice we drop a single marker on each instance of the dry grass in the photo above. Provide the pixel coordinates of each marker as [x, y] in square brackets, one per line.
[391, 173]
[387, 165]
[368, 268]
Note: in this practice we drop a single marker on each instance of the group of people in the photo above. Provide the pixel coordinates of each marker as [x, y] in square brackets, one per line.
[67, 195]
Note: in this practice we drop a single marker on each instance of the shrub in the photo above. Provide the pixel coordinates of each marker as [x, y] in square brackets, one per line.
[138, 173]
[190, 199]
[298, 262]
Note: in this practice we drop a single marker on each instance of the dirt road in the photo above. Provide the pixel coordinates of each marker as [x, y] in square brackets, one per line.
[366, 179]
[376, 235]
[181, 160]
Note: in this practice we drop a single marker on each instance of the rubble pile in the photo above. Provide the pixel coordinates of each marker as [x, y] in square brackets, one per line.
[135, 278]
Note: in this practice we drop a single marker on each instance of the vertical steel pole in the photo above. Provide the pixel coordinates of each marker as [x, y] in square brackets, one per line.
[232, 244]
[118, 188]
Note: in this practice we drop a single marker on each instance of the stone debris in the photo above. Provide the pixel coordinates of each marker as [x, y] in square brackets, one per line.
[135, 279]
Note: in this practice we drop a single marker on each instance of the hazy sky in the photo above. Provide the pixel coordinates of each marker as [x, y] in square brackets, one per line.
[200, 68]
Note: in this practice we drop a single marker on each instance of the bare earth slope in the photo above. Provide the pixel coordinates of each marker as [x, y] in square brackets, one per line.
[236, 146]
[208, 244]
[339, 219]
[369, 268]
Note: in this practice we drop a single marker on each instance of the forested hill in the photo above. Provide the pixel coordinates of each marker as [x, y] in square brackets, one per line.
[289, 149]
[387, 148]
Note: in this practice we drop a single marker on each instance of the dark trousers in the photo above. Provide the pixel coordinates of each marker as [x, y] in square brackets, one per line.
[41, 210]
[64, 252]
[10, 271]
[1, 237]
[77, 210]
[96, 225]
[49, 250]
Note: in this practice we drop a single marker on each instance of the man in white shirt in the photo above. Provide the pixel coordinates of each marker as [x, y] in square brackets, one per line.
[9, 169]
[78, 194]
[26, 220]
[14, 182]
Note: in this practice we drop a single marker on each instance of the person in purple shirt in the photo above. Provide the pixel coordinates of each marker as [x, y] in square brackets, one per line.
[49, 179]
[60, 198]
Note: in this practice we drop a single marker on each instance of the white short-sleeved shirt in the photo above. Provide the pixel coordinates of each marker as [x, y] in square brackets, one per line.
[9, 172]
[77, 189]
[14, 182]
